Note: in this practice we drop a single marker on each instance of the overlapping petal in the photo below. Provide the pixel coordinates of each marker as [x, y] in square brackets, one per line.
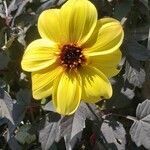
[108, 63]
[95, 85]
[109, 38]
[39, 55]
[73, 23]
[67, 93]
[42, 81]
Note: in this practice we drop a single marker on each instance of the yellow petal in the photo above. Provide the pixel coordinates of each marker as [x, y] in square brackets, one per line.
[42, 81]
[67, 93]
[109, 39]
[49, 25]
[39, 55]
[78, 20]
[95, 33]
[95, 85]
[93, 38]
[108, 63]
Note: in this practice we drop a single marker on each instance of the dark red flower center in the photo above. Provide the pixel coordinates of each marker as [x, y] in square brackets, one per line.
[71, 56]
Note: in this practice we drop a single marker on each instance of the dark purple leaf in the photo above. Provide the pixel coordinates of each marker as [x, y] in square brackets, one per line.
[140, 130]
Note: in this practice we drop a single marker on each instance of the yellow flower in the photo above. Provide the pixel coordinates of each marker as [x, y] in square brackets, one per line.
[74, 57]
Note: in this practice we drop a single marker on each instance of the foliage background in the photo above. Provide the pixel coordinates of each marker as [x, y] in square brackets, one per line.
[122, 123]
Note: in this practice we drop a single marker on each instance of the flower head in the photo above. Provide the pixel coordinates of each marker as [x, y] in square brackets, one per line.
[74, 57]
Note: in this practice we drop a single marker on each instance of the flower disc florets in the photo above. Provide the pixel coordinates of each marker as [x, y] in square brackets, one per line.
[71, 56]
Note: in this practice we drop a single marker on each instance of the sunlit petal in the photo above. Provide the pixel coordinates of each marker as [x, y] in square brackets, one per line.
[42, 81]
[39, 55]
[108, 63]
[49, 25]
[95, 85]
[109, 38]
[67, 93]
[79, 18]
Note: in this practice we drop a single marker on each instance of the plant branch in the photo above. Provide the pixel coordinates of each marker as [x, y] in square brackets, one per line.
[100, 120]
[97, 127]
[127, 117]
